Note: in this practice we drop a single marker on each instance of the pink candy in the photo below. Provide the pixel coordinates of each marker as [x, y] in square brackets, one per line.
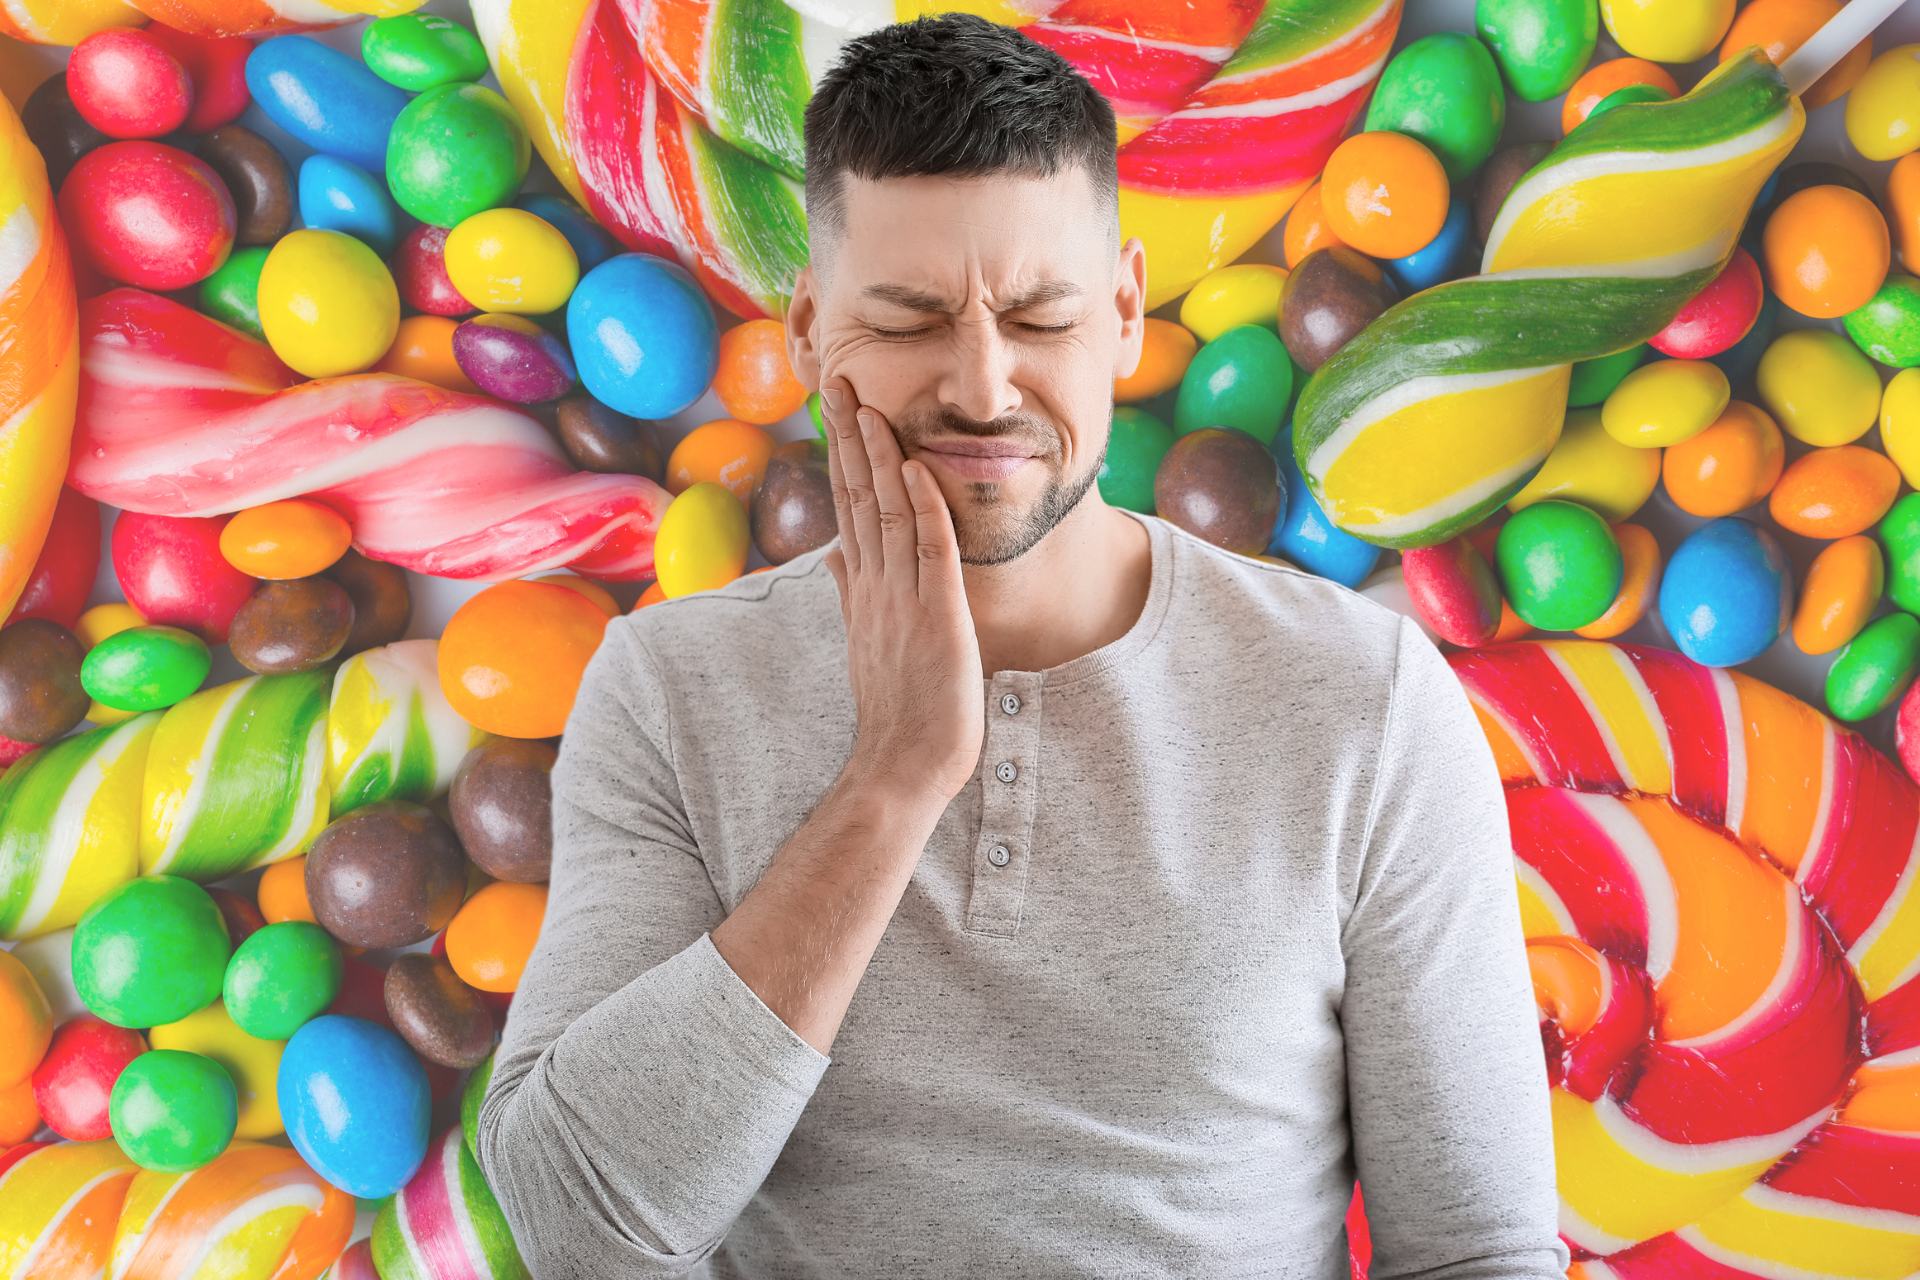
[1455, 590]
[1719, 315]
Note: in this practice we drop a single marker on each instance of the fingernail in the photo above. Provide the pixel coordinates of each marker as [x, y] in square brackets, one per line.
[907, 476]
[832, 396]
[866, 420]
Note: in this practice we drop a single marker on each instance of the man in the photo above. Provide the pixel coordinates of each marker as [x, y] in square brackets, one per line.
[1142, 893]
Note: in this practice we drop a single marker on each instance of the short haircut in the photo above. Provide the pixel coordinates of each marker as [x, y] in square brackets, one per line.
[954, 94]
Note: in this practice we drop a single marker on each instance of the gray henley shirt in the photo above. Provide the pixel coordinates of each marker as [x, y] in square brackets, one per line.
[1225, 916]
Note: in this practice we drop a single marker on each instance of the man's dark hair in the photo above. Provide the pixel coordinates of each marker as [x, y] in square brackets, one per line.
[953, 94]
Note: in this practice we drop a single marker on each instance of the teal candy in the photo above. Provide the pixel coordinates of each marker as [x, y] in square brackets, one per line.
[1888, 327]
[419, 51]
[282, 977]
[456, 151]
[1629, 96]
[1134, 448]
[145, 668]
[470, 1099]
[1900, 535]
[1560, 565]
[1874, 670]
[1542, 46]
[1594, 380]
[1241, 380]
[150, 952]
[173, 1111]
[1445, 90]
[231, 295]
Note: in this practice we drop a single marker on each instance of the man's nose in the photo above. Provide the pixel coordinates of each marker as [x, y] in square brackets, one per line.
[979, 381]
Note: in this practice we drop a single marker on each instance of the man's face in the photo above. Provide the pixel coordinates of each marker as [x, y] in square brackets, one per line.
[986, 318]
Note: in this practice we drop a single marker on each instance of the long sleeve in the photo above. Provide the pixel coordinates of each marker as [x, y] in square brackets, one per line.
[1447, 1082]
[642, 1091]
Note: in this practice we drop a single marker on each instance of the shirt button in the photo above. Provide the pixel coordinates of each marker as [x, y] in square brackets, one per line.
[1010, 703]
[1005, 771]
[998, 855]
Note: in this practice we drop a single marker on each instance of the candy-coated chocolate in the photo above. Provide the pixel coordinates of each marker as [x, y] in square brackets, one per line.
[702, 544]
[442, 1018]
[1444, 90]
[291, 538]
[291, 625]
[217, 65]
[1306, 228]
[1330, 297]
[1840, 592]
[389, 874]
[1453, 587]
[1639, 585]
[57, 129]
[1665, 402]
[1727, 593]
[41, 692]
[356, 1104]
[1673, 31]
[754, 381]
[419, 51]
[592, 245]
[325, 98]
[338, 195]
[423, 350]
[793, 509]
[1900, 534]
[251, 1062]
[598, 438]
[420, 273]
[150, 952]
[1443, 258]
[1594, 380]
[391, 734]
[231, 294]
[1834, 493]
[1541, 45]
[171, 570]
[456, 150]
[511, 260]
[126, 84]
[1883, 108]
[1780, 27]
[1719, 316]
[446, 1219]
[1560, 564]
[1902, 206]
[173, 1111]
[502, 806]
[26, 1022]
[382, 601]
[1590, 467]
[1728, 467]
[1384, 193]
[145, 668]
[282, 893]
[242, 917]
[643, 334]
[147, 214]
[1497, 178]
[255, 175]
[1602, 80]
[1247, 293]
[1875, 669]
[1166, 349]
[1221, 485]
[1827, 251]
[1306, 537]
[1888, 326]
[511, 357]
[327, 303]
[1819, 387]
[1900, 423]
[75, 1078]
[725, 452]
[1136, 443]
[490, 939]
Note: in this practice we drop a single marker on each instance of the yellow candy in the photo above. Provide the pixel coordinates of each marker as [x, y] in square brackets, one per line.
[1883, 110]
[1591, 468]
[1819, 387]
[511, 260]
[104, 620]
[328, 304]
[1667, 30]
[1900, 423]
[1665, 402]
[1187, 236]
[253, 1064]
[702, 540]
[1246, 294]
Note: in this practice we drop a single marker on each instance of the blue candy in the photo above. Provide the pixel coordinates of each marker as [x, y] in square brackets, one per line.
[356, 1104]
[324, 98]
[1727, 593]
[1440, 259]
[337, 195]
[591, 242]
[1306, 537]
[643, 335]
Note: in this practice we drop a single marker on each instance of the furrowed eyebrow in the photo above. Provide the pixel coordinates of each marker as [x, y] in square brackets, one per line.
[914, 300]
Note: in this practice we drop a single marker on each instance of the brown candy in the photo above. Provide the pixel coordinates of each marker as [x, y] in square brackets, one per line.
[1221, 484]
[598, 438]
[1328, 299]
[256, 174]
[793, 511]
[1498, 176]
[502, 804]
[443, 1018]
[291, 625]
[40, 693]
[56, 127]
[382, 602]
[388, 874]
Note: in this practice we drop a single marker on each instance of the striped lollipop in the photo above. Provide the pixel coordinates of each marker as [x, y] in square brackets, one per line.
[391, 733]
[71, 21]
[445, 1224]
[58, 1207]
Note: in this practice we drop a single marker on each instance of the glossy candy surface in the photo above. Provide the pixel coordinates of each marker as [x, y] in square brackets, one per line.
[601, 439]
[1307, 228]
[1827, 251]
[1673, 31]
[1883, 108]
[382, 601]
[338, 195]
[280, 978]
[1834, 493]
[502, 806]
[511, 657]
[74, 1081]
[127, 84]
[1839, 593]
[150, 952]
[173, 1111]
[423, 350]
[1665, 402]
[1718, 316]
[217, 65]
[1329, 298]
[291, 625]
[231, 294]
[456, 150]
[1445, 91]
[391, 734]
[325, 98]
[1604, 79]
[1819, 387]
[42, 695]
[389, 874]
[327, 303]
[1542, 46]
[1455, 590]
[1136, 442]
[490, 939]
[56, 128]
[445, 1220]
[1727, 593]
[250, 1062]
[62, 577]
[643, 335]
[511, 357]
[1560, 565]
[793, 508]
[440, 1017]
[1875, 668]
[753, 380]
[145, 668]
[510, 260]
[723, 452]
[292, 538]
[703, 543]
[1246, 293]
[255, 176]
[147, 214]
[1497, 178]
[26, 1022]
[1307, 538]
[173, 573]
[418, 51]
[1442, 258]
[356, 1104]
[1221, 485]
[420, 273]
[1590, 467]
[1639, 584]
[1385, 194]
[1900, 534]
[1887, 327]
[1780, 27]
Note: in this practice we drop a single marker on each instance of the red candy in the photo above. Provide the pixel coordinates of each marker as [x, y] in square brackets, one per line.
[218, 67]
[1719, 315]
[11, 751]
[420, 273]
[126, 84]
[242, 917]
[73, 1082]
[69, 561]
[172, 572]
[148, 215]
[14, 1155]
[1455, 590]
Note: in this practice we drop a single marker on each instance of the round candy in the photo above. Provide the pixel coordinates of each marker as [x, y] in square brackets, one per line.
[419, 51]
[1240, 380]
[1677, 31]
[1560, 564]
[1306, 537]
[1903, 208]
[231, 295]
[1453, 587]
[356, 1104]
[282, 892]
[26, 1021]
[382, 601]
[41, 692]
[456, 150]
[1883, 109]
[1166, 349]
[1307, 228]
[423, 350]
[510, 260]
[601, 439]
[1541, 45]
[1665, 402]
[592, 244]
[104, 620]
[725, 452]
[1719, 315]
[1639, 584]
[327, 304]
[217, 65]
[1827, 251]
[145, 668]
[249, 1061]
[147, 214]
[325, 98]
[127, 85]
[1900, 533]
[293, 625]
[242, 917]
[338, 195]
[389, 874]
[1223, 486]
[643, 334]
[1444, 90]
[1136, 443]
[490, 939]
[1835, 493]
[1780, 27]
[1592, 381]
[69, 561]
[1247, 293]
[502, 806]
[793, 508]
[1900, 422]
[255, 175]
[511, 357]
[1590, 467]
[1603, 79]
[420, 273]
[1330, 296]
[173, 1111]
[171, 570]
[1384, 193]
[57, 129]
[442, 1018]
[702, 542]
[1727, 593]
[1840, 592]
[1888, 326]
[1875, 669]
[291, 538]
[753, 381]
[1498, 177]
[1442, 257]
[1819, 387]
[1728, 467]
[74, 1081]
[150, 952]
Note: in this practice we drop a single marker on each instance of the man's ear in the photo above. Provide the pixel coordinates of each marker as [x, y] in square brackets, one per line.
[1130, 300]
[801, 312]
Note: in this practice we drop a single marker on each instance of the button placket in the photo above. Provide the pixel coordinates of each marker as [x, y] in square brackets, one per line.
[1004, 851]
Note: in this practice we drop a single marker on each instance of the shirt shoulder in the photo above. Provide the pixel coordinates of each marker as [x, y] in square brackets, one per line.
[787, 614]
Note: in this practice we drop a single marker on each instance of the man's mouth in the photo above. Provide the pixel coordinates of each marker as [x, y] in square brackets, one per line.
[978, 458]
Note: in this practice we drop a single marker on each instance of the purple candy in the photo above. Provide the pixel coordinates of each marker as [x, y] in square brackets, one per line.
[513, 358]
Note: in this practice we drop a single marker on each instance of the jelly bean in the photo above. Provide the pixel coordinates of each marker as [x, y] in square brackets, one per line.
[231, 295]
[150, 951]
[1444, 90]
[1135, 445]
[127, 85]
[146, 668]
[1453, 587]
[1307, 228]
[327, 302]
[492, 936]
[1629, 96]
[511, 657]
[1883, 108]
[601, 439]
[281, 978]
[509, 260]
[754, 382]
[457, 150]
[250, 1062]
[1166, 349]
[1541, 45]
[1497, 179]
[1248, 293]
[423, 350]
[68, 563]
[1780, 27]
[104, 620]
[1239, 380]
[419, 51]
[724, 452]
[1727, 593]
[1827, 251]
[420, 273]
[1840, 592]
[1900, 534]
[217, 65]
[1888, 326]
[147, 214]
[293, 625]
[793, 510]
[291, 538]
[1819, 387]
[1728, 467]
[592, 245]
[41, 694]
[1221, 485]
[1835, 493]
[26, 1022]
[1306, 537]
[1594, 380]
[440, 1017]
[171, 570]
[356, 1104]
[338, 195]
[1385, 194]
[324, 98]
[382, 603]
[644, 335]
[1875, 668]
[1677, 31]
[255, 175]
[1560, 565]
[1590, 467]
[57, 129]
[1741, 361]
[502, 803]
[511, 357]
[388, 874]
[1639, 585]
[74, 1082]
[173, 1111]
[1665, 402]
[1330, 297]
[1718, 316]
[1442, 258]
[1903, 208]
[702, 543]
[1603, 79]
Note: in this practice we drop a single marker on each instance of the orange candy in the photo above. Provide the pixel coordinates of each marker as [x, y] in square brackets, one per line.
[728, 452]
[489, 941]
[282, 892]
[423, 350]
[1903, 203]
[1840, 593]
[1836, 492]
[1384, 193]
[1166, 349]
[586, 587]
[754, 382]
[1827, 251]
[1639, 584]
[511, 658]
[19, 1114]
[1728, 467]
[292, 538]
[1781, 26]
[652, 595]
[26, 1022]
[1605, 78]
[1307, 228]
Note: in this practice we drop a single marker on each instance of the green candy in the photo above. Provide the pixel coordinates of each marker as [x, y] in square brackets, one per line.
[1888, 327]
[1628, 96]
[231, 295]
[1134, 448]
[1875, 668]
[280, 978]
[1560, 565]
[456, 151]
[1241, 379]
[1444, 90]
[150, 952]
[817, 414]
[419, 51]
[470, 1099]
[173, 1111]
[145, 668]
[1594, 380]
[1900, 534]
[1543, 46]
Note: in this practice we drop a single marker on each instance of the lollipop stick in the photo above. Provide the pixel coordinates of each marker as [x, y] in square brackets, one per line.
[1854, 23]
